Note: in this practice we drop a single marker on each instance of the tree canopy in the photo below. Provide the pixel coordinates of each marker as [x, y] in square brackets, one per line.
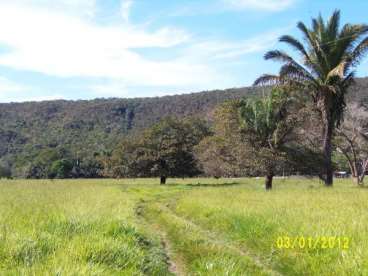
[164, 150]
[267, 125]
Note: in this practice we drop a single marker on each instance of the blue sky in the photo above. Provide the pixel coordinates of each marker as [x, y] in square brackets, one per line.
[84, 49]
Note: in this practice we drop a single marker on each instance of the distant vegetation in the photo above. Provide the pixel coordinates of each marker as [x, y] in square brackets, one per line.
[35, 135]
[65, 139]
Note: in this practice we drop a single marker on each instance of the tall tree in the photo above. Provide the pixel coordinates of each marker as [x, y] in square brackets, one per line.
[328, 56]
[243, 131]
[223, 154]
[164, 150]
[268, 125]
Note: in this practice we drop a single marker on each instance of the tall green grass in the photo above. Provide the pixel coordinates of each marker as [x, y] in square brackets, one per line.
[72, 228]
[205, 226]
[252, 218]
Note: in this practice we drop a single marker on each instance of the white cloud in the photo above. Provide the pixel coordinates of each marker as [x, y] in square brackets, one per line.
[218, 49]
[126, 6]
[55, 38]
[75, 7]
[263, 5]
[65, 46]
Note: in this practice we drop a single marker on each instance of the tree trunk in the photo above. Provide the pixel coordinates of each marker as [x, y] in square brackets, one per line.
[328, 128]
[268, 182]
[364, 169]
[355, 173]
[327, 153]
[361, 180]
[356, 179]
[163, 180]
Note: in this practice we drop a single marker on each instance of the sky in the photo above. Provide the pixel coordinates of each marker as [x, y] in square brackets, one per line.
[85, 49]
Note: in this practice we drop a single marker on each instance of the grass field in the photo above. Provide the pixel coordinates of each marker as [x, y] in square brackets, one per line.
[189, 227]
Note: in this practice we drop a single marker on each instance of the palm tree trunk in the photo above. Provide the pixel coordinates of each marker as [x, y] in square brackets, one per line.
[268, 182]
[327, 153]
[328, 128]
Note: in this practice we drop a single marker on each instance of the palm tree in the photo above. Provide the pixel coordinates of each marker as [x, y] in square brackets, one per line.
[329, 56]
[266, 124]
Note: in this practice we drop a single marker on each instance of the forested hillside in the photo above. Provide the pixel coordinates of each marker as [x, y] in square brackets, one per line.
[37, 131]
[34, 134]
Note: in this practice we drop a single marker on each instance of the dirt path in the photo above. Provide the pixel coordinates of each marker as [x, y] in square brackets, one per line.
[215, 238]
[165, 203]
[174, 261]
[175, 265]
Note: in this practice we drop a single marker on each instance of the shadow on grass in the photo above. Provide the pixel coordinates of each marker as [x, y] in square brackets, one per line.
[214, 185]
[129, 186]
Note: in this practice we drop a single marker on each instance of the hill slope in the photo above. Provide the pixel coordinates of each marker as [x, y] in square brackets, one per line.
[88, 128]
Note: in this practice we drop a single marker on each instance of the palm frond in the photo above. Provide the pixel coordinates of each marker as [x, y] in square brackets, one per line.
[355, 31]
[294, 72]
[278, 55]
[359, 52]
[267, 79]
[333, 24]
[316, 54]
[318, 25]
[349, 35]
[307, 34]
[296, 44]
